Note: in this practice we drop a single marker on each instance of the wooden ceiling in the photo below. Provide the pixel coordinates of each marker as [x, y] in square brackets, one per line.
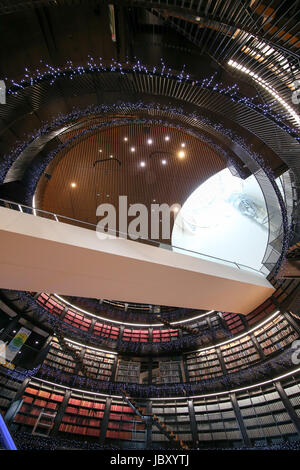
[104, 182]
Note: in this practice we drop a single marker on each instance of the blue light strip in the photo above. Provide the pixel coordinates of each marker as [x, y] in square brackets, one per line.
[5, 436]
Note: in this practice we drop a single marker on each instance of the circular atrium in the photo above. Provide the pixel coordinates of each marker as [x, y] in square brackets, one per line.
[150, 234]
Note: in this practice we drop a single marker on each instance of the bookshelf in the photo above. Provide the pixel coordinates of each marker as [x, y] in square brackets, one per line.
[239, 354]
[124, 424]
[83, 415]
[8, 390]
[261, 312]
[50, 304]
[216, 420]
[264, 414]
[275, 335]
[141, 336]
[203, 365]
[170, 372]
[78, 320]
[58, 359]
[128, 371]
[175, 415]
[106, 330]
[99, 364]
[164, 335]
[37, 398]
[234, 322]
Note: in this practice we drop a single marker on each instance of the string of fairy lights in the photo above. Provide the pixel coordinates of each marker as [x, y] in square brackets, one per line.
[51, 74]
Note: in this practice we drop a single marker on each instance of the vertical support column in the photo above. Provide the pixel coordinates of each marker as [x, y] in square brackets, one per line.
[63, 314]
[60, 413]
[288, 406]
[148, 437]
[150, 367]
[91, 327]
[78, 365]
[121, 333]
[244, 321]
[211, 329]
[105, 421]
[185, 368]
[240, 420]
[222, 362]
[223, 322]
[150, 334]
[193, 422]
[114, 369]
[257, 346]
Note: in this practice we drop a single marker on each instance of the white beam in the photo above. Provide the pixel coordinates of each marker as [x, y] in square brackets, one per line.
[43, 255]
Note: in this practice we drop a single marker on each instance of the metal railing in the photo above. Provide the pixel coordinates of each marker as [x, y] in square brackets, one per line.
[116, 233]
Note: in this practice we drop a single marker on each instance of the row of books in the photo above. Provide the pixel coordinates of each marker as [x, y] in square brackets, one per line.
[72, 429]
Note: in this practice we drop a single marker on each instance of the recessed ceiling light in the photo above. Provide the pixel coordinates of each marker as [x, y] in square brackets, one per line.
[164, 162]
[111, 156]
[149, 141]
[167, 137]
[183, 145]
[125, 139]
[142, 164]
[132, 149]
[73, 185]
[100, 150]
[181, 154]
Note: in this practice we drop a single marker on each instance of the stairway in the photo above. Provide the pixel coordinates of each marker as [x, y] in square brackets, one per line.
[73, 352]
[156, 420]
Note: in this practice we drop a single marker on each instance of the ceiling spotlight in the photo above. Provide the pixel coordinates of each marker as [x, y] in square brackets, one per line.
[183, 145]
[164, 162]
[132, 149]
[149, 141]
[143, 164]
[100, 150]
[181, 154]
[167, 137]
[125, 139]
[73, 185]
[111, 156]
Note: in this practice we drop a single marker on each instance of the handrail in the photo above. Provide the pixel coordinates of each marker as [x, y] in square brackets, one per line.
[6, 438]
[56, 217]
